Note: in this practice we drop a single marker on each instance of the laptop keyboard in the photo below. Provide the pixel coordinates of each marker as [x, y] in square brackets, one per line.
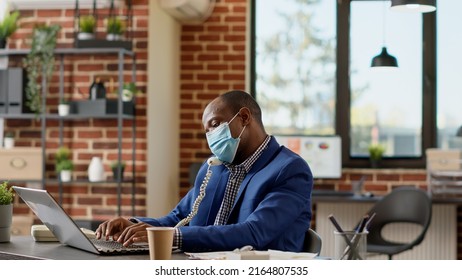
[113, 246]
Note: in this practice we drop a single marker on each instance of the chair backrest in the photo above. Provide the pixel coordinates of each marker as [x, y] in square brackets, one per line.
[193, 169]
[312, 242]
[404, 204]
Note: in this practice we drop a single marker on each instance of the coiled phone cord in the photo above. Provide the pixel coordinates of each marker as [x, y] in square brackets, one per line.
[198, 200]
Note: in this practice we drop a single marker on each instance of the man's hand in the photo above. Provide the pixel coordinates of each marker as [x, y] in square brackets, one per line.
[134, 233]
[122, 231]
[112, 228]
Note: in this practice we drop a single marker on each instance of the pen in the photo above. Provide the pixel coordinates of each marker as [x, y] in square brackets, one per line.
[334, 222]
[362, 224]
[366, 227]
[340, 230]
[356, 237]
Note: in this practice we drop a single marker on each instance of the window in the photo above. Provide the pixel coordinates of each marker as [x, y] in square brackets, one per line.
[295, 65]
[386, 106]
[449, 60]
[312, 76]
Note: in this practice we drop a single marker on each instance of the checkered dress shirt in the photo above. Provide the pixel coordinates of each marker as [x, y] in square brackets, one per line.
[237, 175]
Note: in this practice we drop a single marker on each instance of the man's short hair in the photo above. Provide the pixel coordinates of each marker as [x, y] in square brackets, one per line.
[237, 99]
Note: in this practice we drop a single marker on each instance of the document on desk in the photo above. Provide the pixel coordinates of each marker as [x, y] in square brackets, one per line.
[251, 255]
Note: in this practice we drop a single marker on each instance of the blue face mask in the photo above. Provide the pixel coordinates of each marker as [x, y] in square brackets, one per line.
[221, 143]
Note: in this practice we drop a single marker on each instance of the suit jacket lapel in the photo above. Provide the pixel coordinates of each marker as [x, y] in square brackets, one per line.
[266, 156]
[217, 194]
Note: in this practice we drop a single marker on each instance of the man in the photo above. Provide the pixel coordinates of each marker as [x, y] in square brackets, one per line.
[259, 193]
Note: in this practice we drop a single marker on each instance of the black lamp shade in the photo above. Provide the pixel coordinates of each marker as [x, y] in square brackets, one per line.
[384, 60]
[459, 132]
[421, 6]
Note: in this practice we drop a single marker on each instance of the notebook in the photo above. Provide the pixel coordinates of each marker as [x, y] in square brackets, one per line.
[65, 229]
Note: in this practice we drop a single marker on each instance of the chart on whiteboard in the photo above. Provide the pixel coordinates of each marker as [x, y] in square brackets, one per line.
[323, 153]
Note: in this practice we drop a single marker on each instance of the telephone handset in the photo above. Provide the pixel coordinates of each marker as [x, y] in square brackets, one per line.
[213, 161]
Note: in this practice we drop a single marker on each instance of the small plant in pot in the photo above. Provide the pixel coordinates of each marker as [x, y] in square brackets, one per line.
[64, 108]
[87, 25]
[8, 25]
[375, 154]
[115, 29]
[64, 164]
[6, 211]
[65, 168]
[8, 140]
[129, 91]
[115, 169]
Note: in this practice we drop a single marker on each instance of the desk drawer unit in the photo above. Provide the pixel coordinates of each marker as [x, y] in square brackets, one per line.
[21, 164]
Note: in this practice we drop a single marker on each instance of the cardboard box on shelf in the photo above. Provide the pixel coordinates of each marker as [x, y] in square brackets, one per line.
[444, 159]
[21, 163]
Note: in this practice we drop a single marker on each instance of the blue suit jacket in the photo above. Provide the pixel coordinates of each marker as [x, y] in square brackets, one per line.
[272, 208]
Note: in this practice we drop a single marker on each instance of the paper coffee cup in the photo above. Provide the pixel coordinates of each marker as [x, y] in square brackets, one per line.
[160, 242]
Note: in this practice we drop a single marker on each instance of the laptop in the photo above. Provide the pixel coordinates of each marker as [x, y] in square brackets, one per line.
[66, 230]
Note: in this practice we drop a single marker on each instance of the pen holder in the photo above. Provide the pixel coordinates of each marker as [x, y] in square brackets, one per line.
[350, 245]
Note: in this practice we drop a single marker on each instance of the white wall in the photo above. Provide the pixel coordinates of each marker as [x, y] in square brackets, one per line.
[162, 112]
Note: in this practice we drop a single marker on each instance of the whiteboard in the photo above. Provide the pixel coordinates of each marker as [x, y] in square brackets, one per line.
[322, 153]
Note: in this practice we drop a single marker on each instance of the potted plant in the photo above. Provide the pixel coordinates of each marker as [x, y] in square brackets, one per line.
[64, 164]
[6, 211]
[87, 25]
[64, 108]
[8, 25]
[39, 64]
[115, 29]
[115, 170]
[65, 168]
[375, 154]
[129, 90]
[8, 140]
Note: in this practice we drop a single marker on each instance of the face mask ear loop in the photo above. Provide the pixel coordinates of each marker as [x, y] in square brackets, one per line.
[234, 117]
[241, 132]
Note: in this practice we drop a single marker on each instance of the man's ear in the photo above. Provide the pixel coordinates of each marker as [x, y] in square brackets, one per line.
[245, 115]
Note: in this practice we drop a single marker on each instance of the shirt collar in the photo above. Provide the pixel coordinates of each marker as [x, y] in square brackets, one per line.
[248, 163]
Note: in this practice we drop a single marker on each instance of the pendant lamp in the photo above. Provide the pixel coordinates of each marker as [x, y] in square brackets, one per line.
[420, 6]
[459, 132]
[384, 59]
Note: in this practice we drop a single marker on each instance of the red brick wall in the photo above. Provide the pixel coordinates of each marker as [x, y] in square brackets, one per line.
[88, 138]
[377, 181]
[213, 61]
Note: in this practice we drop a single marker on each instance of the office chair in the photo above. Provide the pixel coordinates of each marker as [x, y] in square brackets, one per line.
[402, 205]
[193, 169]
[312, 242]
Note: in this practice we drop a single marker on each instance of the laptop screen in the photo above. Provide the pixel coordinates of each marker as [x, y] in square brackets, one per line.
[55, 218]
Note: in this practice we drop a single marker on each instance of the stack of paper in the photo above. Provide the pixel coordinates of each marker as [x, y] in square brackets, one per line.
[251, 255]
